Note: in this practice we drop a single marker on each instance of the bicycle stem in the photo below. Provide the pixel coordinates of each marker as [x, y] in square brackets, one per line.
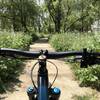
[42, 79]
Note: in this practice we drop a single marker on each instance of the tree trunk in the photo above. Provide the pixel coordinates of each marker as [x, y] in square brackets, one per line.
[23, 17]
[57, 26]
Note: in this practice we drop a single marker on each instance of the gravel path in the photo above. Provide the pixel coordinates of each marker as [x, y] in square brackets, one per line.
[65, 80]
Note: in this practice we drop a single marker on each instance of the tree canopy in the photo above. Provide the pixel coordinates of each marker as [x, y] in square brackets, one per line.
[49, 16]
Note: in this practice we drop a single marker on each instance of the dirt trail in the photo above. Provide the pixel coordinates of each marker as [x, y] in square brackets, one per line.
[65, 80]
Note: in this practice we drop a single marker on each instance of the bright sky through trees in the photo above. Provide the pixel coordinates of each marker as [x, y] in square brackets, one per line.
[40, 2]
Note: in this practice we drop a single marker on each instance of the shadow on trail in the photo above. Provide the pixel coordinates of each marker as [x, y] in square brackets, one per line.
[11, 86]
[14, 81]
[3, 98]
[42, 40]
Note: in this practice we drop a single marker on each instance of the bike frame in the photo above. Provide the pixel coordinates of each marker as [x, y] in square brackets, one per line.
[42, 80]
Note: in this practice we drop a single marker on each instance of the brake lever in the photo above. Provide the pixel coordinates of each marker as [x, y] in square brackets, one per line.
[88, 59]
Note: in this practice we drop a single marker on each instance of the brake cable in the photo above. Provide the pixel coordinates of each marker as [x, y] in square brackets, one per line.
[32, 74]
[56, 73]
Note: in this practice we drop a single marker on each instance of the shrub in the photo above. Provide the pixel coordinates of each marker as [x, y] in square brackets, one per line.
[85, 97]
[10, 68]
[61, 42]
[33, 35]
[71, 41]
[17, 41]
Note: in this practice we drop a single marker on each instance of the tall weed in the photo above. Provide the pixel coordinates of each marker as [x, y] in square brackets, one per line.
[10, 68]
[72, 41]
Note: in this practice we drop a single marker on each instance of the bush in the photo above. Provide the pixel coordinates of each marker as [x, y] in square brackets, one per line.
[17, 41]
[85, 97]
[10, 68]
[61, 42]
[33, 35]
[88, 76]
[71, 41]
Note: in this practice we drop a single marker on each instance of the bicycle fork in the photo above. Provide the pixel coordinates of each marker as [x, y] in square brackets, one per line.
[54, 93]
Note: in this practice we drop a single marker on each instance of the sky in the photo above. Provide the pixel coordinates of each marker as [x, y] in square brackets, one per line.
[40, 2]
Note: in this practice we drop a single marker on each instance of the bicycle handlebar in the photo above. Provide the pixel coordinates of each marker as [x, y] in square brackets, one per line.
[10, 52]
[49, 55]
[87, 58]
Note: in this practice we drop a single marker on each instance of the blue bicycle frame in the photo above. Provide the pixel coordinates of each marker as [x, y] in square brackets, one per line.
[42, 80]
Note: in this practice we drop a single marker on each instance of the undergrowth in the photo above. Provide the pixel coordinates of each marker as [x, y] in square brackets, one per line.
[70, 41]
[11, 68]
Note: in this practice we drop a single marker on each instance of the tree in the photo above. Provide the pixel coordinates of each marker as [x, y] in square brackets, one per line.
[18, 13]
[52, 15]
[55, 11]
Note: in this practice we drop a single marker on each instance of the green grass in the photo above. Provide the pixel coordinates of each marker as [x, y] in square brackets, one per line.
[11, 68]
[70, 41]
[17, 41]
[85, 97]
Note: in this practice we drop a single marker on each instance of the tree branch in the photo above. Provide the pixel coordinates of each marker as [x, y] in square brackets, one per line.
[4, 16]
[50, 12]
[76, 21]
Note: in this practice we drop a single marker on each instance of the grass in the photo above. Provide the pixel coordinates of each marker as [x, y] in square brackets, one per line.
[92, 96]
[71, 41]
[11, 68]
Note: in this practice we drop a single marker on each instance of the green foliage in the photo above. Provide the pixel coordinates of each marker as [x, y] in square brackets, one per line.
[61, 42]
[19, 14]
[14, 40]
[85, 97]
[70, 41]
[33, 35]
[10, 68]
[49, 16]
[89, 76]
